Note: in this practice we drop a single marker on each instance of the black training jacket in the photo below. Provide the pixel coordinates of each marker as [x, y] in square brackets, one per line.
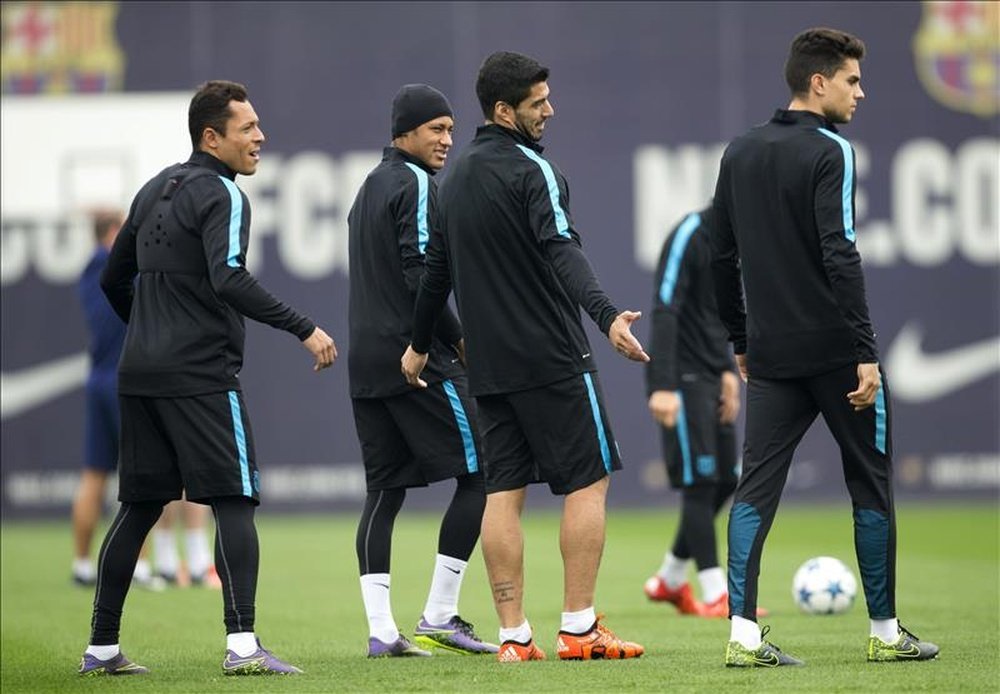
[186, 238]
[508, 246]
[389, 227]
[688, 338]
[785, 221]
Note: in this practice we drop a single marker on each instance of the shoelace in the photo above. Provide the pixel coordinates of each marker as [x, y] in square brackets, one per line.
[763, 632]
[465, 627]
[907, 632]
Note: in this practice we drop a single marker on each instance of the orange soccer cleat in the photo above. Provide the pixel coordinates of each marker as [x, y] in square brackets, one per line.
[598, 643]
[516, 652]
[682, 598]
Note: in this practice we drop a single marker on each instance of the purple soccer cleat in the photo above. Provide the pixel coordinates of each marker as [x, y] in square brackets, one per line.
[400, 648]
[260, 662]
[91, 666]
[455, 635]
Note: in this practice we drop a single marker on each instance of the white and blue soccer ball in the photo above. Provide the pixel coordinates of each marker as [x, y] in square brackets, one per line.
[824, 585]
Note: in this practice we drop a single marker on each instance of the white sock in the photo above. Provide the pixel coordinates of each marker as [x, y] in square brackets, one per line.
[375, 594]
[578, 622]
[103, 652]
[84, 568]
[442, 601]
[521, 634]
[198, 556]
[673, 571]
[745, 632]
[885, 629]
[143, 571]
[713, 584]
[165, 552]
[242, 644]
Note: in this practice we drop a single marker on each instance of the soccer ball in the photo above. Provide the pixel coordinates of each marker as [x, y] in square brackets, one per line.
[824, 585]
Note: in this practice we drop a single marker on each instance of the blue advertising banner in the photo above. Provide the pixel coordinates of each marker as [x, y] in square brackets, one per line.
[646, 96]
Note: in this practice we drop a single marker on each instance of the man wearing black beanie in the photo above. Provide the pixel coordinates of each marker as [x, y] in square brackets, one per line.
[409, 438]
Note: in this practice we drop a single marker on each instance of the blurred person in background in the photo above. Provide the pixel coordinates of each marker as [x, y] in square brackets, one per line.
[100, 460]
[694, 395]
[804, 342]
[509, 247]
[197, 568]
[409, 438]
[185, 427]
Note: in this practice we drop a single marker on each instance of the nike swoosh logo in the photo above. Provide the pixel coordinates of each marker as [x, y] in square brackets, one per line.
[33, 386]
[917, 376]
[770, 660]
[454, 571]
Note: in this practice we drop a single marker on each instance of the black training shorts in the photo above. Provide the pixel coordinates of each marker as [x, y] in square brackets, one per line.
[416, 438]
[700, 449]
[200, 444]
[558, 433]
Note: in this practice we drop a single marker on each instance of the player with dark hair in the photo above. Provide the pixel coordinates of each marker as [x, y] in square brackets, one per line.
[694, 395]
[409, 438]
[784, 233]
[508, 245]
[185, 427]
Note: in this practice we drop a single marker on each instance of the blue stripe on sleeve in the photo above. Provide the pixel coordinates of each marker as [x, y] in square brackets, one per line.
[848, 185]
[562, 226]
[471, 459]
[241, 442]
[235, 221]
[422, 233]
[595, 408]
[677, 248]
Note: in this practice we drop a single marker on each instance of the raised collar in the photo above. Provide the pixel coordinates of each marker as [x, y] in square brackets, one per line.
[207, 161]
[782, 115]
[492, 131]
[396, 154]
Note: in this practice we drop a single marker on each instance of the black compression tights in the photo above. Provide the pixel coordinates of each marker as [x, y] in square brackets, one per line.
[459, 527]
[237, 559]
[464, 517]
[696, 533]
[115, 565]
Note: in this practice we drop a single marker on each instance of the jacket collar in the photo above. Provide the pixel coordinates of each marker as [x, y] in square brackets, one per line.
[802, 118]
[207, 161]
[494, 131]
[395, 154]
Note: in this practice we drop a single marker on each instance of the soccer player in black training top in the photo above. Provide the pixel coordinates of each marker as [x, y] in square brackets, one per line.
[409, 438]
[508, 245]
[785, 225]
[694, 395]
[184, 423]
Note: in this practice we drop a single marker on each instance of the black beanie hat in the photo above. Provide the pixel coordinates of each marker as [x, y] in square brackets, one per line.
[414, 105]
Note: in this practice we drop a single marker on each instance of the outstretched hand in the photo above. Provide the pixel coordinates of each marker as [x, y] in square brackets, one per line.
[621, 337]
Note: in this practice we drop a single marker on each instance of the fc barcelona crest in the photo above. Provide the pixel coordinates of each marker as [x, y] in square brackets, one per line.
[957, 52]
[60, 47]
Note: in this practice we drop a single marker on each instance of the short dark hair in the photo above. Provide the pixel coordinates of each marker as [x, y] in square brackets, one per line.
[507, 77]
[820, 50]
[210, 107]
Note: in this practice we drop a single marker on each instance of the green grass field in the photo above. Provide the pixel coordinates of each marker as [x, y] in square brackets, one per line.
[309, 611]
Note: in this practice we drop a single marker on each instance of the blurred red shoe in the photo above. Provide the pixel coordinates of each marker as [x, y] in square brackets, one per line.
[209, 579]
[682, 598]
[720, 608]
